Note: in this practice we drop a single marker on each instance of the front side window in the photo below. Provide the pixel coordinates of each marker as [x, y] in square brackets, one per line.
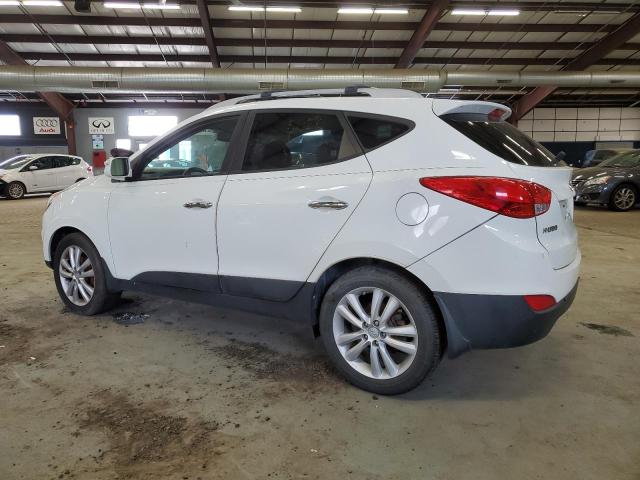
[43, 163]
[200, 153]
[285, 140]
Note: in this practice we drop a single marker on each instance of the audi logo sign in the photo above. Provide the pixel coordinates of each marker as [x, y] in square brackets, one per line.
[101, 125]
[46, 125]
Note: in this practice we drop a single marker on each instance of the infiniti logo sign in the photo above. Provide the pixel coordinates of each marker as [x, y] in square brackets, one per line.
[101, 123]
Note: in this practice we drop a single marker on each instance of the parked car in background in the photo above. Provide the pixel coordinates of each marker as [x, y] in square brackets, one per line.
[595, 157]
[615, 182]
[41, 173]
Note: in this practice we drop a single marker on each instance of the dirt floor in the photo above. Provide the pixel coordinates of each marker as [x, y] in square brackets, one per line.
[185, 391]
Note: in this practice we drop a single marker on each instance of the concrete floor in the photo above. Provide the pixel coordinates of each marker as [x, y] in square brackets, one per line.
[198, 392]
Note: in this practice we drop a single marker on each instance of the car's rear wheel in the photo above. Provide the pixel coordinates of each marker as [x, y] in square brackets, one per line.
[380, 330]
[80, 276]
[623, 198]
[15, 190]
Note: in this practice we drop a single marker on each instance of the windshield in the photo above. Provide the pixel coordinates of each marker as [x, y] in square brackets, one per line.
[15, 162]
[502, 139]
[628, 159]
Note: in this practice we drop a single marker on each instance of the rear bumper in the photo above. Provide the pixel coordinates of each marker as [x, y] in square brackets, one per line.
[495, 321]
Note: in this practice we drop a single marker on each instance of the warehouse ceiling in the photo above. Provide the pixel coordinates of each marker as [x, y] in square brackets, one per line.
[452, 35]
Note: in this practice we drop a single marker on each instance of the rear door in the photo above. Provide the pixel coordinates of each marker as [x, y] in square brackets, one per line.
[69, 170]
[300, 178]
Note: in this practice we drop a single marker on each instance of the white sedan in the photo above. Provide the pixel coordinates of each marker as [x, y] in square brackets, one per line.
[41, 173]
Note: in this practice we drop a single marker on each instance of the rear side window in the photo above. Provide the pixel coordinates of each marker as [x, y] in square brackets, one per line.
[502, 139]
[373, 132]
[287, 140]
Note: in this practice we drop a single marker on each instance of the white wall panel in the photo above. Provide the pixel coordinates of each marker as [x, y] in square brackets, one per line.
[582, 124]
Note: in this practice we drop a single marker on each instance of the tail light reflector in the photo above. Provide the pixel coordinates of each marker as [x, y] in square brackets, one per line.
[507, 196]
[539, 303]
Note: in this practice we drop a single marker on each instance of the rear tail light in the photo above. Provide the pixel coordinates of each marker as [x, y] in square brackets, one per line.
[507, 196]
[539, 303]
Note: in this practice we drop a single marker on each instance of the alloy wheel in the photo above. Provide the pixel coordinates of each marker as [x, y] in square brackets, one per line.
[77, 276]
[15, 190]
[375, 333]
[624, 198]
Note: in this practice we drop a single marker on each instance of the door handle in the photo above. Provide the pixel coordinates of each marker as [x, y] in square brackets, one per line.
[198, 204]
[336, 205]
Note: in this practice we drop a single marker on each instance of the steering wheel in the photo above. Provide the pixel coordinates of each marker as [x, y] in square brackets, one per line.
[192, 170]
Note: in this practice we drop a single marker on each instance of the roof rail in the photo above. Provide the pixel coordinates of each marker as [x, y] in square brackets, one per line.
[350, 91]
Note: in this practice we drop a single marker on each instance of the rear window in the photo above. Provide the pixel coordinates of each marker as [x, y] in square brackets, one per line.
[502, 139]
[373, 132]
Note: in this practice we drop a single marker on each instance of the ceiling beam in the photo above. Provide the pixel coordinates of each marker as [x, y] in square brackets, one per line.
[290, 43]
[420, 34]
[331, 59]
[301, 24]
[592, 56]
[205, 20]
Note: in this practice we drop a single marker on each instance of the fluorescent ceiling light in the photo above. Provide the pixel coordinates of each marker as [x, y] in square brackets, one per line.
[284, 9]
[120, 5]
[481, 12]
[392, 11]
[468, 11]
[6, 3]
[160, 6]
[505, 13]
[42, 3]
[244, 8]
[355, 10]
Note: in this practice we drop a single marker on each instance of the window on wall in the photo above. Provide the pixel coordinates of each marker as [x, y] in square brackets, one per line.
[124, 143]
[151, 126]
[10, 125]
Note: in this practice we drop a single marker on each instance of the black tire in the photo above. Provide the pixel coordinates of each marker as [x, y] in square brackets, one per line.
[580, 204]
[422, 311]
[629, 190]
[102, 299]
[15, 190]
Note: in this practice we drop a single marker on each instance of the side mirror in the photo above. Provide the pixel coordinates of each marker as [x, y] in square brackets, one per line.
[561, 155]
[33, 167]
[118, 169]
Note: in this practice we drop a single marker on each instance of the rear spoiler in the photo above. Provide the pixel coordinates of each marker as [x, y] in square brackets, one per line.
[495, 111]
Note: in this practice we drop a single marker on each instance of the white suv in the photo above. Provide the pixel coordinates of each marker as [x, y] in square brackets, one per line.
[397, 227]
[41, 173]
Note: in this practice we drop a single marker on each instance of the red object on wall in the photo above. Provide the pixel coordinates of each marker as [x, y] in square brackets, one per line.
[98, 158]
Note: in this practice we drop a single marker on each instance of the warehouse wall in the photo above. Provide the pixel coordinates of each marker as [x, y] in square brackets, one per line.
[582, 124]
[120, 117]
[28, 141]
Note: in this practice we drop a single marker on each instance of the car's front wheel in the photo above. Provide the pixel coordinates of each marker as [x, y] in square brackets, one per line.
[80, 277]
[380, 330]
[623, 198]
[15, 190]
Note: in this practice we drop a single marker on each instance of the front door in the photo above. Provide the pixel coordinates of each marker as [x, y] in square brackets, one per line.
[162, 225]
[42, 178]
[300, 179]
